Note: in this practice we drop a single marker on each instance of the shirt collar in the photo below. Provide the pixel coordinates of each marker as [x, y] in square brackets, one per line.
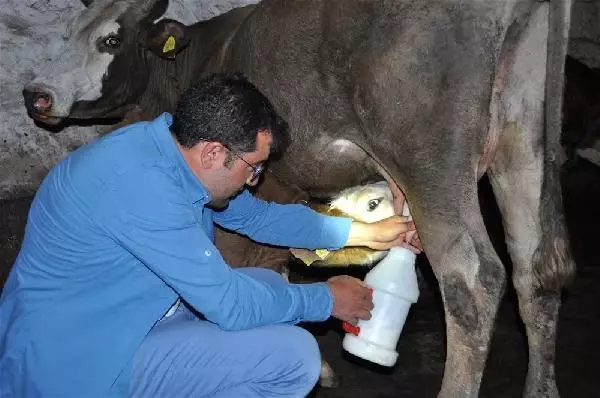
[167, 145]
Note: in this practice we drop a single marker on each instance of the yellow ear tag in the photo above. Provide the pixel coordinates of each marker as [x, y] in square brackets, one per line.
[322, 253]
[169, 44]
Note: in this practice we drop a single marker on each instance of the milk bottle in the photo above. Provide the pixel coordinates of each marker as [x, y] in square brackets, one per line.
[395, 289]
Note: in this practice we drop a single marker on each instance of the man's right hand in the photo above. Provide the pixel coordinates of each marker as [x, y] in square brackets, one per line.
[352, 300]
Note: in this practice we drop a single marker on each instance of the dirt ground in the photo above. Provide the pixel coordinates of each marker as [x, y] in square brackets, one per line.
[419, 370]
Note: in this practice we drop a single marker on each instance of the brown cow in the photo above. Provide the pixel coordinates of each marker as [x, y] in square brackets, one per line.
[433, 93]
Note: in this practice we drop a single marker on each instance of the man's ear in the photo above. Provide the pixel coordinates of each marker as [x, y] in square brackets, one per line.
[210, 154]
[165, 38]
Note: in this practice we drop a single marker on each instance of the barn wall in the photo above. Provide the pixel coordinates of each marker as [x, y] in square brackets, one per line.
[28, 36]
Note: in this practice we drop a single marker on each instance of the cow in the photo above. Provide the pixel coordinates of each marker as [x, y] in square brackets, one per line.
[429, 94]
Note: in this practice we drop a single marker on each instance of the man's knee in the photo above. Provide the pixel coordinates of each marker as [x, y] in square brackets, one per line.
[300, 361]
[308, 354]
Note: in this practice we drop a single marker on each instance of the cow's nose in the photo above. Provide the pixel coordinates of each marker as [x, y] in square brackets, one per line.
[37, 99]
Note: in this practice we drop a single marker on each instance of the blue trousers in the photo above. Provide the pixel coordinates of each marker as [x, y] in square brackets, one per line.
[184, 356]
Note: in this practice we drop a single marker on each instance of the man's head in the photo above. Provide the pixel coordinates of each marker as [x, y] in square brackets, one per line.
[226, 129]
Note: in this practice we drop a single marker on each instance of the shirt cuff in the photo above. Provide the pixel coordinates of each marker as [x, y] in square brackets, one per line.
[318, 301]
[335, 232]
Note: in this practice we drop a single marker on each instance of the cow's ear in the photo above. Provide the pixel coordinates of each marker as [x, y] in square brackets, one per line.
[166, 38]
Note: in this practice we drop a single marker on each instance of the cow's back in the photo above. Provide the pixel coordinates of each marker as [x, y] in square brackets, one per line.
[350, 70]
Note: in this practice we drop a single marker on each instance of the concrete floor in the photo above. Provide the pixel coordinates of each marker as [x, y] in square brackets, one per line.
[418, 372]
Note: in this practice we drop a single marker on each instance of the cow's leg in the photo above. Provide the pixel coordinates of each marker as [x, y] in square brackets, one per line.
[516, 174]
[433, 158]
[471, 279]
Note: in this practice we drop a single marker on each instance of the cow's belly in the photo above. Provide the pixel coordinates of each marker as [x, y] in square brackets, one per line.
[326, 166]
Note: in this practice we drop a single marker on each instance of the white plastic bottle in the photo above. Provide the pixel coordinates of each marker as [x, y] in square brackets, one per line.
[395, 289]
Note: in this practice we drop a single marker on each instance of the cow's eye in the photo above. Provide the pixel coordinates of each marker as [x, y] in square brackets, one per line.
[373, 203]
[112, 42]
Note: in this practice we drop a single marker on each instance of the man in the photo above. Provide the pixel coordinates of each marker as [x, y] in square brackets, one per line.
[122, 229]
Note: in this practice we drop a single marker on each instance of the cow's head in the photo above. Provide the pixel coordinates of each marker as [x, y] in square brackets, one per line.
[103, 68]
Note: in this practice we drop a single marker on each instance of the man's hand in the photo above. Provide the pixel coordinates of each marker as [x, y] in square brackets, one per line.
[380, 235]
[352, 300]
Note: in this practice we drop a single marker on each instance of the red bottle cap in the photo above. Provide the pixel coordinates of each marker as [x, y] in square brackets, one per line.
[348, 328]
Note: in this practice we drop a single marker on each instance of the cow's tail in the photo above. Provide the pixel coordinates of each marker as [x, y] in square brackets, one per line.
[553, 264]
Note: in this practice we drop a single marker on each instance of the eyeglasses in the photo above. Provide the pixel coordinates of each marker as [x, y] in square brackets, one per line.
[256, 170]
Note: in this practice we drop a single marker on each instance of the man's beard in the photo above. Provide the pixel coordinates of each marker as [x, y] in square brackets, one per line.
[222, 203]
[219, 204]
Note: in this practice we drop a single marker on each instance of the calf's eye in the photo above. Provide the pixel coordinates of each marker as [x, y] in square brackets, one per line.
[373, 203]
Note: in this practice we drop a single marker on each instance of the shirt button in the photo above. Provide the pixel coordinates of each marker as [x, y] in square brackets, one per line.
[207, 253]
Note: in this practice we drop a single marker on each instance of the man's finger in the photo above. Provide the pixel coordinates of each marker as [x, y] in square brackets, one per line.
[412, 248]
[364, 315]
[398, 218]
[407, 226]
[410, 235]
[416, 242]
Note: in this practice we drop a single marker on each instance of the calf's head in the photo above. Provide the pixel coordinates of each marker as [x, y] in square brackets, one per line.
[366, 203]
[104, 65]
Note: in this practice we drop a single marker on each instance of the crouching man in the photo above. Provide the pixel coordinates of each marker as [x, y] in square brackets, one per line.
[118, 289]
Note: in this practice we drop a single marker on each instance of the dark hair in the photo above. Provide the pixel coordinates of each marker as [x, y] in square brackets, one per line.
[230, 110]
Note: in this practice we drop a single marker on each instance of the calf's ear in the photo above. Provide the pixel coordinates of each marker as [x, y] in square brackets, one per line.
[165, 38]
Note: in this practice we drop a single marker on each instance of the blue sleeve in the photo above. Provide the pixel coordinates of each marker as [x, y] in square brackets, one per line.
[289, 225]
[149, 216]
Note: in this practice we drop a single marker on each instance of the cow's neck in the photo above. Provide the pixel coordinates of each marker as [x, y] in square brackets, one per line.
[169, 78]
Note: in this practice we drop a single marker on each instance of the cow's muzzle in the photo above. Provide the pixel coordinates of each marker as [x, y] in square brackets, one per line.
[39, 102]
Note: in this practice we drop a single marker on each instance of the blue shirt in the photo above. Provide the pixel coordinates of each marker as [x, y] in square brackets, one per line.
[116, 233]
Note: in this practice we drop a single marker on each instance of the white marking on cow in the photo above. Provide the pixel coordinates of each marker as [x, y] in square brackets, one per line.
[96, 63]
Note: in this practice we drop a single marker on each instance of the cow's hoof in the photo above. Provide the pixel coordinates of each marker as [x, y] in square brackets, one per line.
[328, 378]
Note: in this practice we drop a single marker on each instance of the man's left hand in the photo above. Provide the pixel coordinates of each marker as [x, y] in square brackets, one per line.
[384, 234]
